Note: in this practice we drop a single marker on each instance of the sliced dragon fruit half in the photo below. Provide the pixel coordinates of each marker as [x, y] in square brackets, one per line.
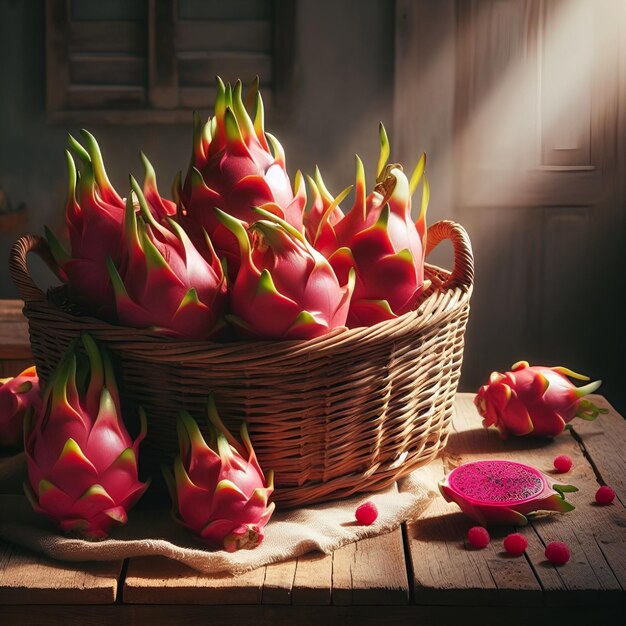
[503, 492]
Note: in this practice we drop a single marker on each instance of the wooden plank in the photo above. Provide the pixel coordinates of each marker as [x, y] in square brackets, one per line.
[105, 96]
[231, 10]
[284, 54]
[200, 68]
[109, 10]
[11, 310]
[107, 69]
[371, 571]
[313, 579]
[224, 35]
[590, 572]
[13, 367]
[129, 37]
[446, 572]
[119, 117]
[57, 70]
[14, 340]
[604, 441]
[278, 582]
[28, 578]
[157, 580]
[342, 575]
[162, 67]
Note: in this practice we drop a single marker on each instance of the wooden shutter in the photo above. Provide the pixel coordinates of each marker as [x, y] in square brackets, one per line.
[147, 61]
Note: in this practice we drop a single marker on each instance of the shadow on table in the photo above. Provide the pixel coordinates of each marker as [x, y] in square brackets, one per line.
[483, 441]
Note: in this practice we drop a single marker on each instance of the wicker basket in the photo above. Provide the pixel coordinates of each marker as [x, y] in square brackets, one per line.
[347, 412]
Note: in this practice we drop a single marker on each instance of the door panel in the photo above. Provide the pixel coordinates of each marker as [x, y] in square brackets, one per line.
[538, 178]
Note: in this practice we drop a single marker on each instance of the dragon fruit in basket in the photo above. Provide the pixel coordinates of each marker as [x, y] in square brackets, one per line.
[94, 214]
[233, 168]
[163, 282]
[377, 238]
[82, 463]
[218, 490]
[535, 400]
[285, 289]
[17, 395]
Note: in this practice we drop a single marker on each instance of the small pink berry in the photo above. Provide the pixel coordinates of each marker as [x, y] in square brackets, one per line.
[605, 495]
[515, 544]
[557, 552]
[478, 537]
[563, 463]
[366, 513]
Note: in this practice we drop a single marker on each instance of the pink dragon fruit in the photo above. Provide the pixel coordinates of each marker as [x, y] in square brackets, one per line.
[82, 463]
[94, 219]
[93, 215]
[503, 492]
[164, 283]
[218, 490]
[232, 168]
[535, 400]
[377, 237]
[161, 207]
[17, 395]
[284, 289]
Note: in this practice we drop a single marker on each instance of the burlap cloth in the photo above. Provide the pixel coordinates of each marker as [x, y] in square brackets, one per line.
[152, 532]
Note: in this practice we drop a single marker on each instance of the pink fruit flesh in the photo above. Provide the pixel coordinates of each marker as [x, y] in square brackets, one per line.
[478, 537]
[491, 482]
[515, 544]
[563, 463]
[366, 513]
[605, 495]
[503, 492]
[557, 552]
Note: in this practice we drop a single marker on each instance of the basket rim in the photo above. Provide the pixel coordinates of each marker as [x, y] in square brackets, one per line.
[449, 292]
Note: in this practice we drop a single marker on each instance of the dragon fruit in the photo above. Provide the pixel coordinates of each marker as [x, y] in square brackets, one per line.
[232, 168]
[218, 490]
[284, 289]
[503, 492]
[164, 283]
[377, 238]
[82, 463]
[17, 395]
[535, 400]
[94, 216]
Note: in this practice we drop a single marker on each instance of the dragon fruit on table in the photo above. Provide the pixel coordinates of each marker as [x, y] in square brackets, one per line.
[377, 238]
[163, 282]
[535, 400]
[233, 168]
[284, 289]
[17, 395]
[218, 490]
[503, 492]
[82, 463]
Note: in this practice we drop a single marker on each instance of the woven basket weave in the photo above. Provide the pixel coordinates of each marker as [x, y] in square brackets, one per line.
[350, 411]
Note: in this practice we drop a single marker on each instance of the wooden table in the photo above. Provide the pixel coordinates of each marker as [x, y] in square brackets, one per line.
[422, 573]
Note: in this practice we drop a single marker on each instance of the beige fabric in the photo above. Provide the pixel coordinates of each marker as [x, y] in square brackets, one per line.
[289, 534]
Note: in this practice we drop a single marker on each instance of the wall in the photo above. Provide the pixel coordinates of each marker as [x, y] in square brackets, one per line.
[344, 86]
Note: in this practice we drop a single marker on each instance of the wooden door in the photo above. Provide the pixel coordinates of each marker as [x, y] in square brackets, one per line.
[537, 178]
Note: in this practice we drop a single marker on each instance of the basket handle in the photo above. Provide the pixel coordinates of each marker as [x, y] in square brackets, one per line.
[27, 289]
[463, 271]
